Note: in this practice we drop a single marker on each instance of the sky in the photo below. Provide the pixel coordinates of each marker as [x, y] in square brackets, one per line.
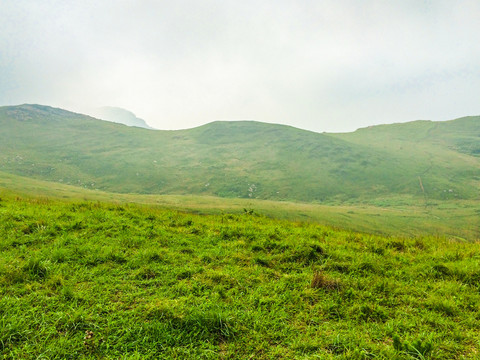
[320, 65]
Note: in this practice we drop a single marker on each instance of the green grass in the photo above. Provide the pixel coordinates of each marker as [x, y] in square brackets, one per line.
[244, 159]
[400, 216]
[121, 243]
[99, 280]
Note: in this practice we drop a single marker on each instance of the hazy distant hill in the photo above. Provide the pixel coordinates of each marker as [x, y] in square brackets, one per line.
[120, 116]
[462, 135]
[243, 159]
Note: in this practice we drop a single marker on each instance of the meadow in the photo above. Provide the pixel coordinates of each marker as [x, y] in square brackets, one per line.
[101, 280]
[391, 215]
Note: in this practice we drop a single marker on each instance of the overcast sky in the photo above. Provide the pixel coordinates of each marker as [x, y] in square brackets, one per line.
[319, 65]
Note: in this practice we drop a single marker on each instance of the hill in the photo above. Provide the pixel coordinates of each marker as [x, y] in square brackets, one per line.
[450, 148]
[460, 135]
[241, 159]
[107, 281]
[120, 116]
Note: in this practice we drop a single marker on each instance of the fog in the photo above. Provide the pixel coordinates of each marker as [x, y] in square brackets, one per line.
[317, 65]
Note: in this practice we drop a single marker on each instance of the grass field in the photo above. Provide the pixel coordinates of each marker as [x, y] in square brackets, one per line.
[399, 216]
[123, 281]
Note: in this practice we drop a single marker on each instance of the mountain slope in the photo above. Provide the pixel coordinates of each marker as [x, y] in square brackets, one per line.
[451, 148]
[229, 159]
[462, 135]
[120, 116]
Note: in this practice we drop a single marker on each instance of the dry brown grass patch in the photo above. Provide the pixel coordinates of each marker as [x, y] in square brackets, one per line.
[320, 281]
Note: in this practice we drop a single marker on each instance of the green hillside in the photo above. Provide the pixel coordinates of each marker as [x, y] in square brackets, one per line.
[238, 159]
[92, 280]
[461, 135]
[450, 148]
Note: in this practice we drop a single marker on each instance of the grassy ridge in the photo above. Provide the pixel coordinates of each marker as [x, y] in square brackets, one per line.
[240, 159]
[99, 280]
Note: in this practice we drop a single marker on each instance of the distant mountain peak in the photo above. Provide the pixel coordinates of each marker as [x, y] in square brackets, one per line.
[119, 115]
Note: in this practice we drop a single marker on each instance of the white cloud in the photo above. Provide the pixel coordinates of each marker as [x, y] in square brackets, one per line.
[330, 65]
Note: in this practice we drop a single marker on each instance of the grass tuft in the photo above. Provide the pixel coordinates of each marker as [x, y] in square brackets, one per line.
[320, 281]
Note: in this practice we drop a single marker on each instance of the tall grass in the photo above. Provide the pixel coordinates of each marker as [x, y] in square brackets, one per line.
[100, 280]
